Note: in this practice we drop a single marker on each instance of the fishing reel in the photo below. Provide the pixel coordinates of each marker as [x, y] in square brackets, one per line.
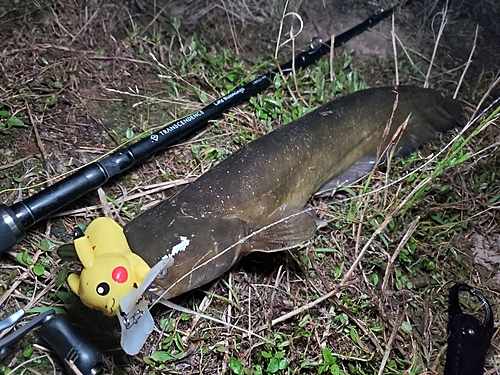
[80, 357]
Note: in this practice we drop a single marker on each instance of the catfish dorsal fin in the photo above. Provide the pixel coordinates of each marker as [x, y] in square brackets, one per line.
[286, 227]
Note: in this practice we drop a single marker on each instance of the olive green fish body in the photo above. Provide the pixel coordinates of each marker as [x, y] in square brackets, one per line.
[273, 177]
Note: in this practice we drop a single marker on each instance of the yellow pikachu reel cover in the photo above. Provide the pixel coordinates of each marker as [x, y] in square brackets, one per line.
[110, 269]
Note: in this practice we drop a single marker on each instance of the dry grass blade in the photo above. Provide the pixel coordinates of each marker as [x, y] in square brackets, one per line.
[442, 26]
[411, 229]
[395, 329]
[467, 64]
[395, 52]
[22, 366]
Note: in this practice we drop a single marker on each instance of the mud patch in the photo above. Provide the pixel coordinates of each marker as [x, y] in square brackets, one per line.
[486, 253]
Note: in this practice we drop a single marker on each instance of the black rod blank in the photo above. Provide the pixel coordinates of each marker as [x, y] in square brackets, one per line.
[14, 220]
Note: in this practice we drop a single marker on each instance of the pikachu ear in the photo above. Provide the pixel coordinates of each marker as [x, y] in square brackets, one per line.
[84, 251]
[74, 282]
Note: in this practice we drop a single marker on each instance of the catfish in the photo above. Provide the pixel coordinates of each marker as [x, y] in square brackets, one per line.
[254, 199]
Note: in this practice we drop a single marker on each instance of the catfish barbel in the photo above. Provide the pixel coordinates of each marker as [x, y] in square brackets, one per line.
[271, 179]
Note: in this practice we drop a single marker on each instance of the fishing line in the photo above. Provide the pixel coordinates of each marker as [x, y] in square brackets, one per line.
[16, 219]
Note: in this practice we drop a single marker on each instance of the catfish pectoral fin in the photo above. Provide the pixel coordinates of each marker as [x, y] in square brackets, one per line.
[286, 227]
[356, 172]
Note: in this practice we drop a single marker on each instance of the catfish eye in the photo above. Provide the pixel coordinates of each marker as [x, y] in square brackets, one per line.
[102, 289]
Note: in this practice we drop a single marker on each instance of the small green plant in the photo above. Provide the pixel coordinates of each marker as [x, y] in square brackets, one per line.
[329, 363]
[8, 121]
[132, 36]
[51, 101]
[277, 361]
[204, 152]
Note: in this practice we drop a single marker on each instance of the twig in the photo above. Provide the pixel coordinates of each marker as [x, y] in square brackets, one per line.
[249, 307]
[229, 314]
[56, 20]
[84, 26]
[467, 64]
[151, 99]
[487, 94]
[294, 72]
[436, 363]
[177, 307]
[280, 31]
[41, 295]
[106, 210]
[204, 305]
[405, 50]
[160, 187]
[231, 27]
[277, 282]
[279, 45]
[361, 325]
[389, 343]
[168, 4]
[39, 143]
[21, 365]
[13, 164]
[13, 287]
[382, 227]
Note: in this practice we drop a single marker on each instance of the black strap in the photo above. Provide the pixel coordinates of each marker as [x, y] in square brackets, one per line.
[468, 338]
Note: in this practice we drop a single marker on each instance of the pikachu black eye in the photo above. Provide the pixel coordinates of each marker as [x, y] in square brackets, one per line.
[77, 233]
[102, 289]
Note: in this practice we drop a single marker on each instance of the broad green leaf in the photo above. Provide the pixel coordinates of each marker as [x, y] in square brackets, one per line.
[406, 326]
[235, 366]
[162, 356]
[39, 310]
[273, 366]
[38, 270]
[15, 122]
[327, 355]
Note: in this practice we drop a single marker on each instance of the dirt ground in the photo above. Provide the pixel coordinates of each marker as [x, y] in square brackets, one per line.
[84, 77]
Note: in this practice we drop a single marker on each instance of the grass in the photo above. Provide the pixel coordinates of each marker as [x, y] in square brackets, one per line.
[367, 296]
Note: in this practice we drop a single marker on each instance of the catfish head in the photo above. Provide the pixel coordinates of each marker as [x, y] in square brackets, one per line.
[110, 269]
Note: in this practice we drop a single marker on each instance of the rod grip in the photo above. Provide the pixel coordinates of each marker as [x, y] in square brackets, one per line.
[76, 352]
[11, 229]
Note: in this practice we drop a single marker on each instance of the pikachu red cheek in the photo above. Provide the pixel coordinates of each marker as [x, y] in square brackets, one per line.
[120, 275]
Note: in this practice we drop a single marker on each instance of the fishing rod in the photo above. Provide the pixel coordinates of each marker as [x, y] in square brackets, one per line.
[16, 219]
